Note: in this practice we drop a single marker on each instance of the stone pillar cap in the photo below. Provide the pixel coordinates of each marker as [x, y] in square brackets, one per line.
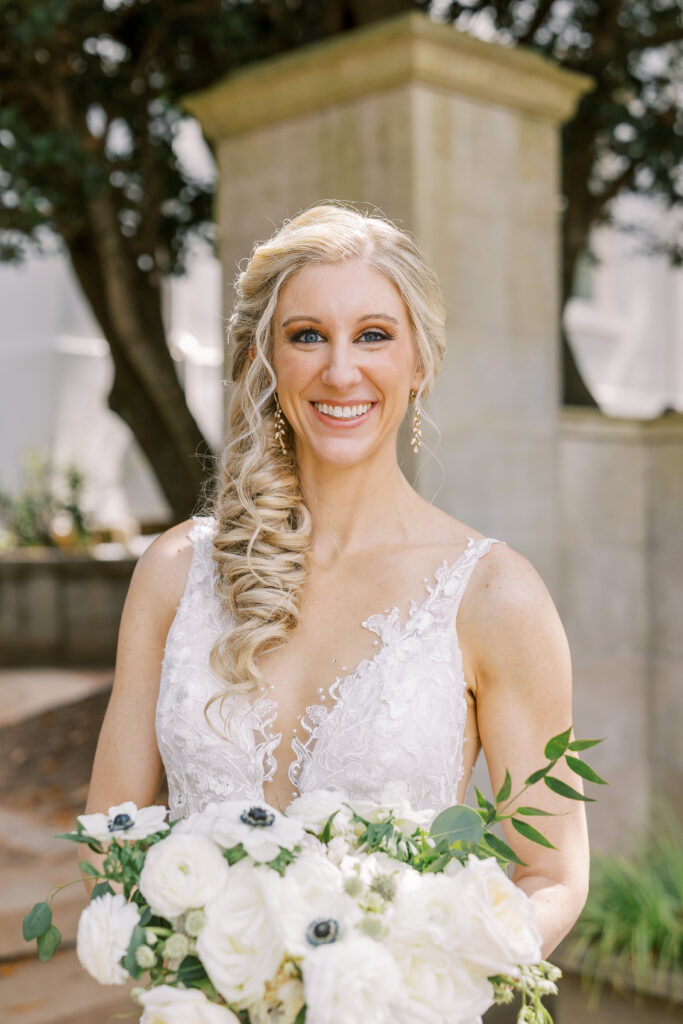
[385, 55]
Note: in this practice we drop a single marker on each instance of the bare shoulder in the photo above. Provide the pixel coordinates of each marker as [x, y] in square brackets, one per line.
[162, 569]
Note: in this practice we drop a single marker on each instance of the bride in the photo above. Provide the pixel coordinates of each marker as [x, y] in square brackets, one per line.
[323, 625]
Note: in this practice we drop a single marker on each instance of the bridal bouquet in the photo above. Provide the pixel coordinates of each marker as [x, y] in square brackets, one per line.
[337, 912]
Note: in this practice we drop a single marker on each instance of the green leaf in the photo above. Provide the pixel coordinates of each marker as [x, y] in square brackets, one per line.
[100, 890]
[537, 775]
[585, 770]
[301, 1015]
[504, 792]
[558, 786]
[556, 746]
[327, 831]
[235, 853]
[501, 848]
[37, 921]
[529, 832]
[482, 801]
[458, 824]
[129, 962]
[190, 971]
[532, 810]
[584, 744]
[48, 943]
[89, 869]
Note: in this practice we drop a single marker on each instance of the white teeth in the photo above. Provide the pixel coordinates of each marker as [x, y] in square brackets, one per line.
[343, 412]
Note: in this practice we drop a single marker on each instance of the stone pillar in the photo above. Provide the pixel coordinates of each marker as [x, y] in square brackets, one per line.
[456, 140]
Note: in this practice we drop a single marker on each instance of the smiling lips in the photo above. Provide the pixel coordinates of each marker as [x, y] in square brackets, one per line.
[343, 413]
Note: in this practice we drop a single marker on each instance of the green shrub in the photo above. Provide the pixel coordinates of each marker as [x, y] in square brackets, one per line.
[632, 924]
[48, 504]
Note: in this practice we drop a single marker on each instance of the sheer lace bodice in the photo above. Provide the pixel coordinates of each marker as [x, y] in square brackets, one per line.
[398, 716]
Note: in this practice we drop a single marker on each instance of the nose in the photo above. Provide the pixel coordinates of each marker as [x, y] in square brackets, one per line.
[341, 369]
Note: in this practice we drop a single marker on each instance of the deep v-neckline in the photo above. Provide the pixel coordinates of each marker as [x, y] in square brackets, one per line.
[390, 631]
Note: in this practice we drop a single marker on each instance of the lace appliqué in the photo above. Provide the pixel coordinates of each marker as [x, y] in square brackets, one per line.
[399, 715]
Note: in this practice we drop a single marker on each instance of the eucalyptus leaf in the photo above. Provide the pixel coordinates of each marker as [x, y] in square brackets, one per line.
[89, 869]
[48, 943]
[585, 770]
[458, 824]
[37, 921]
[560, 787]
[129, 962]
[529, 832]
[101, 889]
[191, 971]
[556, 746]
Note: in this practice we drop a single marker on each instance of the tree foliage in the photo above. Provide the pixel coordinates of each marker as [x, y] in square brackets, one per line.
[627, 133]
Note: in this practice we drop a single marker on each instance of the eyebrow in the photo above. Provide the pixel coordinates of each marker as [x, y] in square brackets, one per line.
[367, 316]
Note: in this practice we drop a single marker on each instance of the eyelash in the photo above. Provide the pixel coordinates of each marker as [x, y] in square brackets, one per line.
[385, 336]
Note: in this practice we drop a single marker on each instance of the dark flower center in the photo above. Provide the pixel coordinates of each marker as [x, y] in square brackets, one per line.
[120, 823]
[258, 816]
[322, 931]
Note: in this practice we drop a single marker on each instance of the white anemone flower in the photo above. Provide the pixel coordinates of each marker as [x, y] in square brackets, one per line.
[259, 828]
[125, 821]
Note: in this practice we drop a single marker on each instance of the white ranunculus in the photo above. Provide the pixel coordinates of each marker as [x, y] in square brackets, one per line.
[502, 933]
[125, 821]
[104, 931]
[182, 872]
[395, 799]
[315, 807]
[241, 943]
[261, 829]
[166, 1004]
[347, 982]
[426, 937]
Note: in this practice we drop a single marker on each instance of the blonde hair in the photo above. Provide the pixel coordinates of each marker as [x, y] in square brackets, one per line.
[264, 528]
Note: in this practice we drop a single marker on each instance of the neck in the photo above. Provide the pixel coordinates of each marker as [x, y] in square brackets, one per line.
[355, 508]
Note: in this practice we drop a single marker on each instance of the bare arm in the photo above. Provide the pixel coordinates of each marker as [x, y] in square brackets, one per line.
[127, 764]
[523, 682]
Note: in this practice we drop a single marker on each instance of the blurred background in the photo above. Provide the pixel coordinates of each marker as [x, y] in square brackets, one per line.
[535, 149]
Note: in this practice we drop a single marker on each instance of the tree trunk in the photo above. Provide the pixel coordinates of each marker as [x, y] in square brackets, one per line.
[177, 464]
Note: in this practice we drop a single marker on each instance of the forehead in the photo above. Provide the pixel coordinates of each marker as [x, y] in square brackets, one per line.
[341, 291]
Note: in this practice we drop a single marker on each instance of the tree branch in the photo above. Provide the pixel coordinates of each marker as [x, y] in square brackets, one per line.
[540, 14]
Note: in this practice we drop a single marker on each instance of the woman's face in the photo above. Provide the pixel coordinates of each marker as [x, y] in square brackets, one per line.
[344, 360]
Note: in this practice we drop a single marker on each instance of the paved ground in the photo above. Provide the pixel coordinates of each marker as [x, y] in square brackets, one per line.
[49, 723]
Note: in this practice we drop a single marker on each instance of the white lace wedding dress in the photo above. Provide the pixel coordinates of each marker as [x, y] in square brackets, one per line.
[398, 716]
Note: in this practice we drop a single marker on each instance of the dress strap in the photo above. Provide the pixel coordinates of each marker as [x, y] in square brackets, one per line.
[201, 577]
[455, 578]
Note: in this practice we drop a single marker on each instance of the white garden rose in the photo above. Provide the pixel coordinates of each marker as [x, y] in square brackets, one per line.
[241, 944]
[125, 821]
[182, 872]
[104, 931]
[314, 808]
[426, 937]
[261, 829]
[348, 982]
[165, 1004]
[502, 933]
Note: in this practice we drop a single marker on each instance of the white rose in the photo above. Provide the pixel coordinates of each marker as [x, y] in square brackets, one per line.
[314, 808]
[240, 944]
[347, 982]
[168, 1005]
[125, 821]
[426, 937]
[502, 933]
[182, 872]
[261, 829]
[104, 931]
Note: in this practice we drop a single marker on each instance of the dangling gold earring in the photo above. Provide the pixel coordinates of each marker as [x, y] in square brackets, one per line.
[279, 425]
[416, 433]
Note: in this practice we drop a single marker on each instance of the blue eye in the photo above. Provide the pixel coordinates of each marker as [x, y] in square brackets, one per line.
[302, 336]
